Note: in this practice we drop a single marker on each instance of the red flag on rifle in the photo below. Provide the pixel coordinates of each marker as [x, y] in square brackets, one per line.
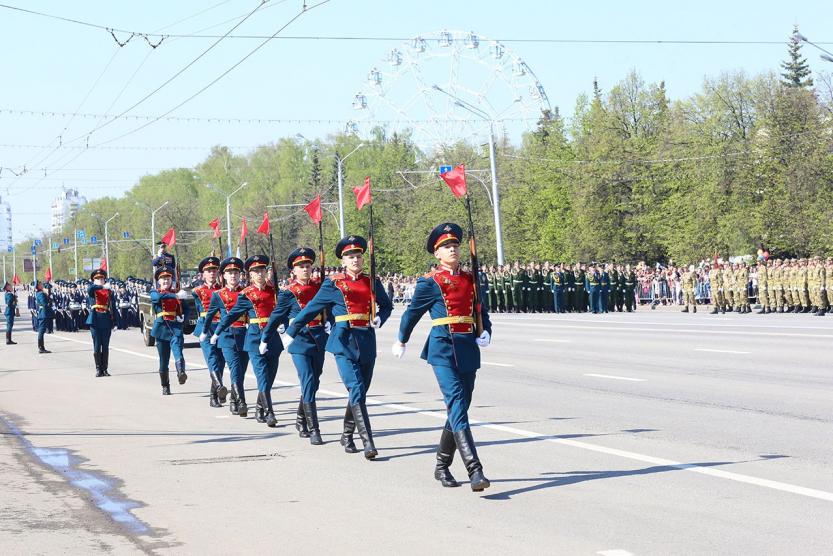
[244, 231]
[314, 209]
[16, 280]
[48, 274]
[264, 226]
[215, 225]
[169, 239]
[456, 180]
[363, 194]
[103, 264]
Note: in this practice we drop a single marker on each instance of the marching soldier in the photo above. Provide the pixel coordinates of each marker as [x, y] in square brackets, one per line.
[452, 348]
[102, 308]
[10, 312]
[255, 303]
[308, 348]
[348, 297]
[213, 355]
[169, 313]
[44, 312]
[232, 340]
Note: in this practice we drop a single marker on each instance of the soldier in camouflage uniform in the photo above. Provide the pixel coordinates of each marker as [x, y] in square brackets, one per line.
[742, 288]
[776, 285]
[764, 296]
[716, 284]
[802, 285]
[728, 277]
[688, 282]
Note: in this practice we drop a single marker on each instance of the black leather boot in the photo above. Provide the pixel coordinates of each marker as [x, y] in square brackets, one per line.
[347, 435]
[260, 411]
[445, 456]
[212, 396]
[362, 420]
[242, 408]
[166, 385]
[271, 420]
[97, 358]
[301, 421]
[180, 371]
[694, 308]
[685, 310]
[465, 444]
[713, 311]
[235, 400]
[105, 362]
[222, 391]
[311, 414]
[9, 341]
[41, 348]
[821, 312]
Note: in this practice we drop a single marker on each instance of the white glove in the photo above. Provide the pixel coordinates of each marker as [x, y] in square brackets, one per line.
[180, 318]
[376, 322]
[263, 348]
[398, 350]
[182, 294]
[287, 339]
[214, 338]
[281, 329]
[484, 340]
[203, 336]
[107, 286]
[328, 327]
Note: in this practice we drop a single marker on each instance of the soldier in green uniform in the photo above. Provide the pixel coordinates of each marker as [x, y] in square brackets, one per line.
[613, 294]
[500, 299]
[535, 284]
[508, 289]
[716, 285]
[547, 294]
[630, 289]
[688, 282]
[581, 297]
[569, 289]
[491, 276]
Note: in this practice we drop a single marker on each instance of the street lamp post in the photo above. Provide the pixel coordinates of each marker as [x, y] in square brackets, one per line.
[826, 55]
[340, 160]
[106, 242]
[228, 207]
[492, 165]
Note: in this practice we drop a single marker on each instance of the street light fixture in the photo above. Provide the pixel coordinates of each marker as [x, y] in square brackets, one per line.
[340, 160]
[492, 164]
[827, 56]
[152, 221]
[228, 206]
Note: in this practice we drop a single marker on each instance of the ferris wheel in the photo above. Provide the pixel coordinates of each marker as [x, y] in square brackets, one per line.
[449, 86]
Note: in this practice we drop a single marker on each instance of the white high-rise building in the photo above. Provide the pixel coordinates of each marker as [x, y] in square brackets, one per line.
[65, 207]
[5, 225]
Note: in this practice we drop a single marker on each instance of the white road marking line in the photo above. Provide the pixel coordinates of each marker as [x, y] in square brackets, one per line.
[723, 351]
[597, 328]
[608, 320]
[496, 364]
[614, 552]
[222, 416]
[692, 468]
[554, 340]
[615, 377]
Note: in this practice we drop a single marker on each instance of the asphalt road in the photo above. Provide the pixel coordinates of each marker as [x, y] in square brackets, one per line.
[646, 433]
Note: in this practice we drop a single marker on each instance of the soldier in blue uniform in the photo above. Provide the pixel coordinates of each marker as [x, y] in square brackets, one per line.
[604, 283]
[307, 350]
[101, 319]
[10, 312]
[232, 340]
[45, 313]
[592, 282]
[163, 259]
[348, 297]
[254, 304]
[214, 360]
[452, 347]
[169, 313]
[558, 285]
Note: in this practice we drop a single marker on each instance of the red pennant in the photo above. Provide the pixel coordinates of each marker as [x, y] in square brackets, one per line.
[48, 274]
[456, 180]
[244, 231]
[103, 264]
[314, 209]
[363, 194]
[264, 226]
[169, 239]
[215, 225]
[16, 279]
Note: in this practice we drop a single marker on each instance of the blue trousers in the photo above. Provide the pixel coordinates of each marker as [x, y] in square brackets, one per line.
[356, 377]
[101, 339]
[605, 299]
[457, 388]
[595, 299]
[265, 368]
[42, 325]
[214, 359]
[10, 322]
[164, 349]
[237, 362]
[558, 300]
[309, 369]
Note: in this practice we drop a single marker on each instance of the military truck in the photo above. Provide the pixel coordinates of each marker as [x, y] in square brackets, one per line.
[146, 316]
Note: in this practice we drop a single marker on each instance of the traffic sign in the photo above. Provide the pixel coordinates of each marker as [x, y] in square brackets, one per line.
[82, 234]
[93, 239]
[56, 245]
[84, 242]
[38, 243]
[444, 169]
[125, 235]
[10, 248]
[66, 241]
[34, 250]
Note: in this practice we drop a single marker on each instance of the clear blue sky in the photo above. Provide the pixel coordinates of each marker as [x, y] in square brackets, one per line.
[51, 65]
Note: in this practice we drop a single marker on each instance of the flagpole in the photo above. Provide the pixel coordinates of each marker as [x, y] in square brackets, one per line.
[475, 267]
[274, 265]
[372, 250]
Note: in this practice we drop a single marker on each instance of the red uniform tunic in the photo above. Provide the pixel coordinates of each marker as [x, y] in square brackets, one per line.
[102, 301]
[204, 293]
[356, 292]
[229, 298]
[170, 309]
[263, 302]
[458, 294]
[303, 294]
